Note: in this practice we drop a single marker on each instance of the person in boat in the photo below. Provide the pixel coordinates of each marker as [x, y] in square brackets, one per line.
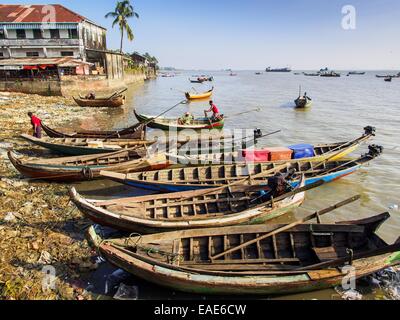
[91, 96]
[36, 125]
[186, 119]
[214, 109]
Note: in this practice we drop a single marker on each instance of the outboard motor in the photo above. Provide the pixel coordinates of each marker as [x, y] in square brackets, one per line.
[257, 134]
[375, 150]
[369, 130]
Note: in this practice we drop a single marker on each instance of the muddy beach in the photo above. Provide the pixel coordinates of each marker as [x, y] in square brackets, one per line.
[39, 227]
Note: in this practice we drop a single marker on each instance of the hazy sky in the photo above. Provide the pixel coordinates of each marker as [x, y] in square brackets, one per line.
[254, 34]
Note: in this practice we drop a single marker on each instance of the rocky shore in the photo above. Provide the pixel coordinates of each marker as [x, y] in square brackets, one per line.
[41, 232]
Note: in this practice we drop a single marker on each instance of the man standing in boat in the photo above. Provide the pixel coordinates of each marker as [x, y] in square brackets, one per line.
[36, 125]
[214, 109]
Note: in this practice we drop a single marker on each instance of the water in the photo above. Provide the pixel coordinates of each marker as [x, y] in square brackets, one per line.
[342, 108]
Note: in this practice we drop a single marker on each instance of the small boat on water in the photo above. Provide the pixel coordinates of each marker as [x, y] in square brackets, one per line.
[216, 207]
[195, 178]
[389, 76]
[388, 79]
[312, 74]
[202, 79]
[356, 73]
[138, 131]
[198, 96]
[258, 73]
[254, 260]
[318, 152]
[165, 123]
[303, 102]
[114, 101]
[81, 146]
[330, 74]
[81, 168]
[269, 69]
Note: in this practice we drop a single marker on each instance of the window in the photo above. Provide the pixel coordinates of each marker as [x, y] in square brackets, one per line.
[1, 54]
[37, 34]
[67, 53]
[54, 34]
[2, 34]
[21, 34]
[32, 54]
[73, 33]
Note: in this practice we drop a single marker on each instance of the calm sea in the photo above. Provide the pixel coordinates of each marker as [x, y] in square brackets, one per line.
[342, 108]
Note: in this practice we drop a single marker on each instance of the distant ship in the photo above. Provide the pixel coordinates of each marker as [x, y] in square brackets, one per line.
[278, 70]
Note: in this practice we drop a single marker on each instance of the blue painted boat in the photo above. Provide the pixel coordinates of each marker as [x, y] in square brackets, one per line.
[195, 178]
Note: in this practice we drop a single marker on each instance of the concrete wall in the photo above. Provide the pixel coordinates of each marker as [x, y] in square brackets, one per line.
[45, 88]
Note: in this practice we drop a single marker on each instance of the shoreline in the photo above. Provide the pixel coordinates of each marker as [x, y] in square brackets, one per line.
[39, 227]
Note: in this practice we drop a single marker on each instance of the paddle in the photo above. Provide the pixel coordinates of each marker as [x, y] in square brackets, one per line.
[161, 114]
[249, 177]
[242, 113]
[316, 214]
[117, 93]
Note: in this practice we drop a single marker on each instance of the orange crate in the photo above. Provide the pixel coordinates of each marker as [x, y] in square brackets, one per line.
[279, 153]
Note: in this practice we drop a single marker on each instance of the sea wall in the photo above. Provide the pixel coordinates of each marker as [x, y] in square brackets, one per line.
[42, 87]
[69, 86]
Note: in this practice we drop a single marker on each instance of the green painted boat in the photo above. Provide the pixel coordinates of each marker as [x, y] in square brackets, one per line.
[167, 124]
[254, 260]
[82, 146]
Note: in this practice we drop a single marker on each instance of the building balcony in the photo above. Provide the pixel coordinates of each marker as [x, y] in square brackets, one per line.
[40, 42]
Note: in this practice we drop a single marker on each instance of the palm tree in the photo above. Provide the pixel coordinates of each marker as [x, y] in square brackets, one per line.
[123, 11]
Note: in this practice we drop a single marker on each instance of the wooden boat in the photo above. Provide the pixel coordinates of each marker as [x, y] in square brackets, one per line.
[83, 167]
[138, 131]
[303, 102]
[322, 152]
[195, 178]
[198, 96]
[217, 207]
[330, 74]
[165, 123]
[356, 73]
[304, 258]
[81, 146]
[114, 102]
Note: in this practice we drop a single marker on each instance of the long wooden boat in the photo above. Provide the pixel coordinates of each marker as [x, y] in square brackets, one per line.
[165, 123]
[305, 258]
[83, 168]
[322, 152]
[217, 207]
[198, 96]
[114, 102]
[303, 103]
[195, 178]
[80, 146]
[138, 131]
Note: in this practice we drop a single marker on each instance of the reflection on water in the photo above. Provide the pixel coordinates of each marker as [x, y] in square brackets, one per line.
[342, 108]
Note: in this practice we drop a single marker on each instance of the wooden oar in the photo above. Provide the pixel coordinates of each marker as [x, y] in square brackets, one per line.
[161, 114]
[117, 93]
[249, 177]
[242, 113]
[317, 214]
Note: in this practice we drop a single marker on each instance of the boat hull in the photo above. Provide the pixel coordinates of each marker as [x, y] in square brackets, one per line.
[207, 125]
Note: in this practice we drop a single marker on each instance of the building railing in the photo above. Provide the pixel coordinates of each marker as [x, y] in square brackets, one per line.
[41, 42]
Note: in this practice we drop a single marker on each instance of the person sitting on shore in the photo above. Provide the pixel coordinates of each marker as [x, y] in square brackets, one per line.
[36, 125]
[214, 109]
[186, 119]
[91, 96]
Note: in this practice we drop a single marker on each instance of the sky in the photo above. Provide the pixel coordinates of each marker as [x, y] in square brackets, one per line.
[255, 34]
